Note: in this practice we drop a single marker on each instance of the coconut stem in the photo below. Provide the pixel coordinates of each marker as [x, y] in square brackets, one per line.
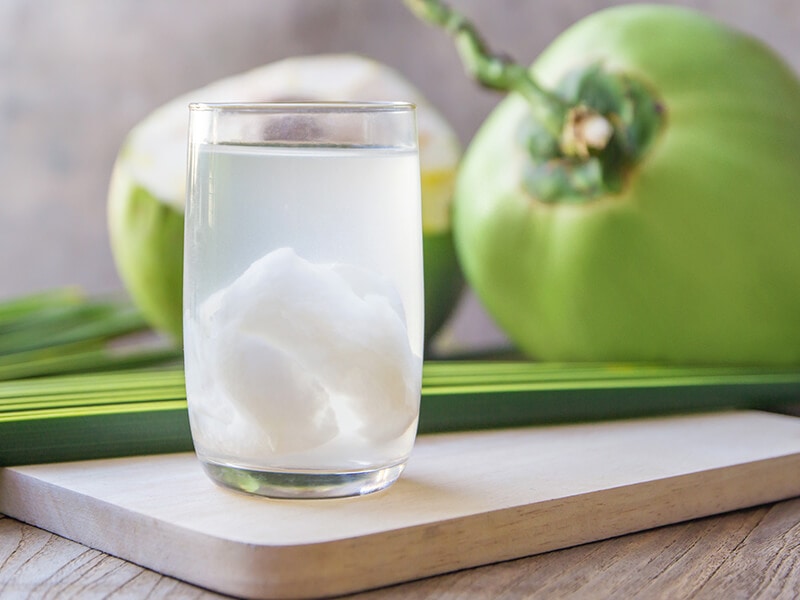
[581, 141]
[492, 70]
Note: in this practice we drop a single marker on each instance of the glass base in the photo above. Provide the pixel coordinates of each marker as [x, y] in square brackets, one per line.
[287, 484]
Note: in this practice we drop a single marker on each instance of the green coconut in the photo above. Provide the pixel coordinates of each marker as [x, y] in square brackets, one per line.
[636, 197]
[148, 184]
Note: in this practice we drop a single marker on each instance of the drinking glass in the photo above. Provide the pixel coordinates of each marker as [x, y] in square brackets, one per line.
[303, 298]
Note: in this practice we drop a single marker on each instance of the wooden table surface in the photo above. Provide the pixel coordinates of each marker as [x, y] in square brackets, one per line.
[752, 553]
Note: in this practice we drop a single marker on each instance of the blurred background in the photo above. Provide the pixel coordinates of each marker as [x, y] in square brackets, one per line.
[76, 76]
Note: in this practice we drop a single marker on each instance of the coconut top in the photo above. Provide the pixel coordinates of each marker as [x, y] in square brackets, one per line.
[155, 150]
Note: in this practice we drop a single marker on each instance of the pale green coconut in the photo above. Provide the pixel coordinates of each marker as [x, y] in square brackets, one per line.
[148, 184]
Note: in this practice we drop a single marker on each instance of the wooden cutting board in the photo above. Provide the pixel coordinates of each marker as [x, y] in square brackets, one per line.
[466, 499]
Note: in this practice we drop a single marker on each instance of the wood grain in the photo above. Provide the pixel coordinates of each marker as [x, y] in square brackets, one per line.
[37, 564]
[751, 553]
[746, 554]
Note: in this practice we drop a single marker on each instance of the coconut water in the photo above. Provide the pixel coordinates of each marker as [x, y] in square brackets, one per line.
[303, 306]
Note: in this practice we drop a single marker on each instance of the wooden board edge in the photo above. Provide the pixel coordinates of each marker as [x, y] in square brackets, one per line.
[516, 532]
[386, 558]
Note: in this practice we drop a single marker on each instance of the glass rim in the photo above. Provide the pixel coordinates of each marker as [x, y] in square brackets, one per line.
[334, 106]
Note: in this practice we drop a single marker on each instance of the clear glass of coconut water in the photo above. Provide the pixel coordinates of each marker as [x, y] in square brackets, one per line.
[303, 299]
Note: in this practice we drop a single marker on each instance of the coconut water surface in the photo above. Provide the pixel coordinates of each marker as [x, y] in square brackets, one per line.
[303, 306]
